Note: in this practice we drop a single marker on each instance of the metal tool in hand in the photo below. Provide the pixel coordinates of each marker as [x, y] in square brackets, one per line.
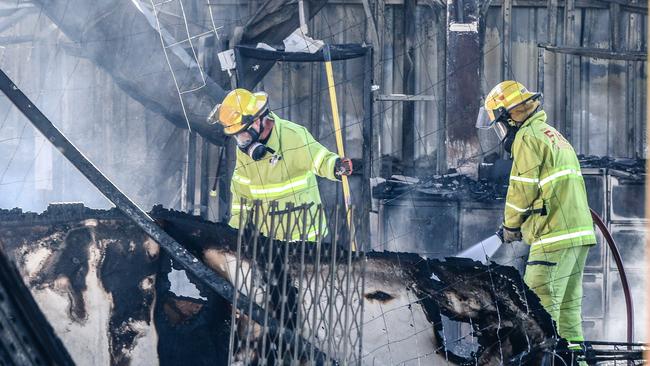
[337, 130]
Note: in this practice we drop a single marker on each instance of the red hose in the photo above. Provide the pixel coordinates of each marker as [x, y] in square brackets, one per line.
[621, 271]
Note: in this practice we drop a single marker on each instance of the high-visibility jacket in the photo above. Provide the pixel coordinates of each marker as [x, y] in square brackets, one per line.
[288, 176]
[546, 196]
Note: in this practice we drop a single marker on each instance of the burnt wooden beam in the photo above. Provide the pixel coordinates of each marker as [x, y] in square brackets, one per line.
[368, 134]
[276, 19]
[615, 34]
[372, 27]
[641, 5]
[189, 176]
[552, 21]
[408, 86]
[134, 213]
[569, 39]
[601, 53]
[462, 89]
[506, 25]
[482, 26]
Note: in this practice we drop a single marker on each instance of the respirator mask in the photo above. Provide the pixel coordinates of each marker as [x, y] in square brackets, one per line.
[248, 141]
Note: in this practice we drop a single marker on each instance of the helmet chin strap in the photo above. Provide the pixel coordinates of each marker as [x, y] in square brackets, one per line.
[512, 130]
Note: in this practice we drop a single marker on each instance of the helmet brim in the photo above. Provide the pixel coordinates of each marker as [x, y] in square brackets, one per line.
[525, 97]
[234, 122]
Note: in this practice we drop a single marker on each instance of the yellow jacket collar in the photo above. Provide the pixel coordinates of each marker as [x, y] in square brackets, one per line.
[537, 117]
[274, 138]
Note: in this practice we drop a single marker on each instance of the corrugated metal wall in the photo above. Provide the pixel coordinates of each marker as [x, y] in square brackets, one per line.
[608, 105]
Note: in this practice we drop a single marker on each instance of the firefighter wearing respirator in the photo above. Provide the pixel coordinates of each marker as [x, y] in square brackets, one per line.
[277, 160]
[546, 204]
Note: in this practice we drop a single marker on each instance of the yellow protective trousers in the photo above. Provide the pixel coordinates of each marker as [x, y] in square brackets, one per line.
[556, 278]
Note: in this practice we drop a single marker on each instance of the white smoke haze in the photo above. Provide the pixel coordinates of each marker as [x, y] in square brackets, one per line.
[617, 324]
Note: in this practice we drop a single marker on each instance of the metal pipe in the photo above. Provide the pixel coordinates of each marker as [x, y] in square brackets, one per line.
[629, 306]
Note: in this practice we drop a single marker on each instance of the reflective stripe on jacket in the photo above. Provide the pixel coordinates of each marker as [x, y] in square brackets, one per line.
[291, 179]
[546, 196]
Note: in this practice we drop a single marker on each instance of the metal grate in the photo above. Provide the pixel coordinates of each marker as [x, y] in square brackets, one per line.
[313, 286]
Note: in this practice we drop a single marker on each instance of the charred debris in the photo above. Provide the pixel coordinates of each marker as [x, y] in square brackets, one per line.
[460, 289]
[492, 182]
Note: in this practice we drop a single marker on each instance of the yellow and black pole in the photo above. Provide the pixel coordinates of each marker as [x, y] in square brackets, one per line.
[338, 133]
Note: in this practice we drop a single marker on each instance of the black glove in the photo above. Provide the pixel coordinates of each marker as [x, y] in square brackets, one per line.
[343, 166]
[508, 235]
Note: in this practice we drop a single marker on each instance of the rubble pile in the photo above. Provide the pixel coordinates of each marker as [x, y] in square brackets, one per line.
[451, 186]
[455, 186]
[105, 288]
[626, 165]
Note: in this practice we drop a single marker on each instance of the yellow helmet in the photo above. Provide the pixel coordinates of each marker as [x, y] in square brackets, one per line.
[238, 110]
[504, 97]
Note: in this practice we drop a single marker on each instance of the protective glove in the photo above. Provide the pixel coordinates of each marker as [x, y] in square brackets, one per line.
[343, 166]
[508, 235]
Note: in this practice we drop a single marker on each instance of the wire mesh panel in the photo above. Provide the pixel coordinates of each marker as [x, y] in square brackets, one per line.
[296, 263]
[181, 37]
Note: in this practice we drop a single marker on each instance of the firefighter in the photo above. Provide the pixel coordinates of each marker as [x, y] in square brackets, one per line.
[546, 203]
[277, 160]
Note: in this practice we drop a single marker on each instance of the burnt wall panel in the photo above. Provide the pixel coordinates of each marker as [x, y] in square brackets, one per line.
[462, 97]
[626, 197]
[593, 329]
[595, 184]
[429, 228]
[596, 257]
[593, 305]
[630, 240]
[479, 221]
[616, 320]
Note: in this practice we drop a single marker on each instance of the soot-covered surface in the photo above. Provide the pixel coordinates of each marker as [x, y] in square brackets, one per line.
[104, 287]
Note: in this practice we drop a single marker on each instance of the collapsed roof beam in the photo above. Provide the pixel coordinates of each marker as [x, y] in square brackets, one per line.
[275, 20]
[601, 53]
[177, 252]
[120, 38]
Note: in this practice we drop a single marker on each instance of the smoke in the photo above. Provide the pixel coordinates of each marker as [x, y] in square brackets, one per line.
[616, 326]
[98, 71]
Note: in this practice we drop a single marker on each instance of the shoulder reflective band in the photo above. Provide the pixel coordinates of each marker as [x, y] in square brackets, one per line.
[555, 239]
[551, 177]
[559, 174]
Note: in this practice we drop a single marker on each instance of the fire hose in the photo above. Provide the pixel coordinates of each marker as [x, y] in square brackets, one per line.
[629, 307]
